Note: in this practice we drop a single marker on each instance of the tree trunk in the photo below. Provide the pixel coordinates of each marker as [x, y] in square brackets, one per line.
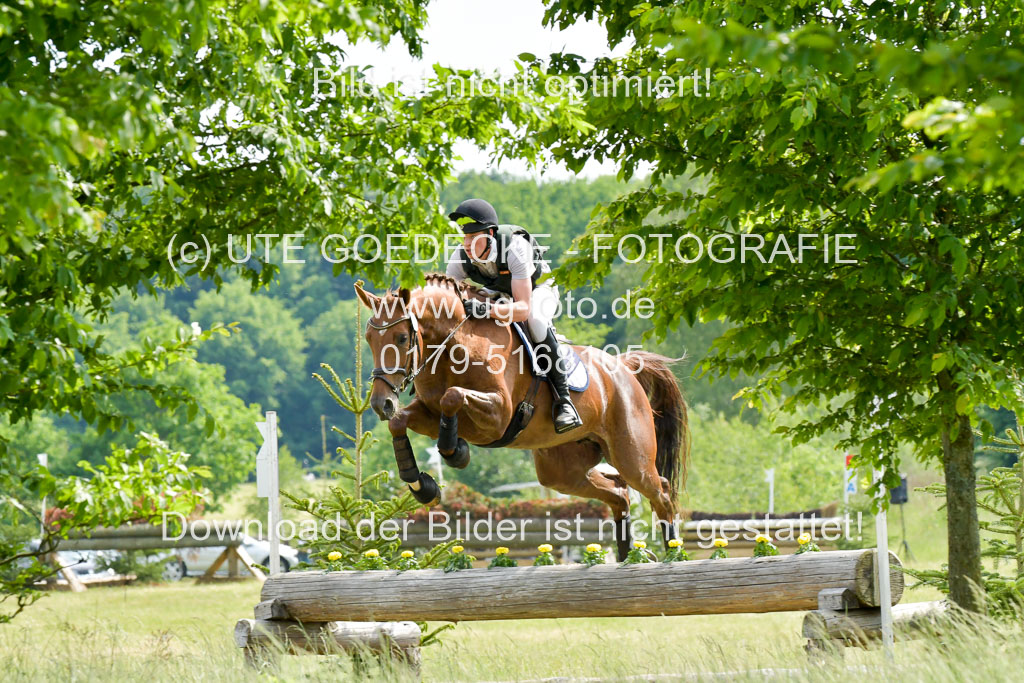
[964, 542]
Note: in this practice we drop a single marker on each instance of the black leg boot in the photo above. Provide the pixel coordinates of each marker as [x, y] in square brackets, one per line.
[563, 412]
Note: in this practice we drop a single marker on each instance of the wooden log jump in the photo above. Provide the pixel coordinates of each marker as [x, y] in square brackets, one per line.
[841, 619]
[261, 640]
[726, 586]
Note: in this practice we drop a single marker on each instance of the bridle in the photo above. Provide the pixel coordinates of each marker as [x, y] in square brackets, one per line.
[413, 349]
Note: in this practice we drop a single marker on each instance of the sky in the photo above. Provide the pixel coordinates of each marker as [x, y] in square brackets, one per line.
[487, 35]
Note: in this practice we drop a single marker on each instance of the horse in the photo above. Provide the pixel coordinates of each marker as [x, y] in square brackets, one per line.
[468, 384]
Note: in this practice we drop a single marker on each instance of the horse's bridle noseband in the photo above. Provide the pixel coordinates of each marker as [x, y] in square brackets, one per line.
[413, 348]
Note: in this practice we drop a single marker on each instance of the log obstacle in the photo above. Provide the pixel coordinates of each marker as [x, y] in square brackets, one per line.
[727, 586]
[842, 620]
[261, 639]
[329, 603]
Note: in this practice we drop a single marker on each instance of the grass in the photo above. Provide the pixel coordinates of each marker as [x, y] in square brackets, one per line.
[182, 632]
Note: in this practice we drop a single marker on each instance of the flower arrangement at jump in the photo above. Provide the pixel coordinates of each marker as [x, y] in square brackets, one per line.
[544, 559]
[676, 552]
[720, 551]
[407, 561]
[763, 546]
[806, 545]
[501, 559]
[639, 554]
[458, 559]
[594, 554]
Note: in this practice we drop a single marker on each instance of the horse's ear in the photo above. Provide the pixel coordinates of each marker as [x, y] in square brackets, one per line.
[369, 299]
[403, 294]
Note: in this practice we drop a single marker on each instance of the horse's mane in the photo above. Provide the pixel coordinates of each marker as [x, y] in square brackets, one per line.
[443, 281]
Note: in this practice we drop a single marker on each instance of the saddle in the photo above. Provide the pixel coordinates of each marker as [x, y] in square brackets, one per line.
[577, 379]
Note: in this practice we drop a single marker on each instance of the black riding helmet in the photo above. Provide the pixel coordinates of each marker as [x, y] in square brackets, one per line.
[475, 215]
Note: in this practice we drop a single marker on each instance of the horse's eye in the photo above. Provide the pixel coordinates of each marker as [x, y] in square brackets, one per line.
[403, 338]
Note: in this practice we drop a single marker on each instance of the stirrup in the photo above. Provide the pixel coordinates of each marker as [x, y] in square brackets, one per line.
[558, 406]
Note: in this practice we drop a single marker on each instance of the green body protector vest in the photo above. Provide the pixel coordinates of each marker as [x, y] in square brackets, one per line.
[502, 282]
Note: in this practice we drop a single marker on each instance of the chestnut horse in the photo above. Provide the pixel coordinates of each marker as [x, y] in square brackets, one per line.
[470, 375]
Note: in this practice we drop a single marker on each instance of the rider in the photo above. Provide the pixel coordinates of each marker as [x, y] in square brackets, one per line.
[502, 259]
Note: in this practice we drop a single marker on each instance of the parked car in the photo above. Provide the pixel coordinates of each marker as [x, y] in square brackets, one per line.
[195, 561]
[85, 563]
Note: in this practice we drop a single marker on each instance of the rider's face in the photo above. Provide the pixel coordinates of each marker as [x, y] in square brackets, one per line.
[477, 244]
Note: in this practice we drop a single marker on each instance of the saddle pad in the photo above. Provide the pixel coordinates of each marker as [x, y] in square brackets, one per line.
[576, 376]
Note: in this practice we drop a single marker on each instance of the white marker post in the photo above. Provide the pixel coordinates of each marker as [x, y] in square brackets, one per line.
[42, 458]
[882, 570]
[769, 476]
[267, 485]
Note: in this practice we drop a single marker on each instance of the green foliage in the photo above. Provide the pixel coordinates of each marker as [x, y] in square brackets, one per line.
[139, 484]
[146, 566]
[809, 127]
[406, 561]
[806, 545]
[457, 559]
[639, 554]
[765, 548]
[720, 551]
[358, 524]
[544, 557]
[727, 473]
[502, 559]
[269, 350]
[231, 453]
[676, 552]
[1001, 494]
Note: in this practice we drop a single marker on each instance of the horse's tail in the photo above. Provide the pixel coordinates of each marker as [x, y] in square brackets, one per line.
[671, 419]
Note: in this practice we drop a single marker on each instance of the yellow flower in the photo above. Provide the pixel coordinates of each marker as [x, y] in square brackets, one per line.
[545, 547]
[804, 539]
[721, 542]
[334, 556]
[593, 547]
[501, 551]
[675, 543]
[408, 553]
[457, 549]
[639, 544]
[372, 552]
[761, 538]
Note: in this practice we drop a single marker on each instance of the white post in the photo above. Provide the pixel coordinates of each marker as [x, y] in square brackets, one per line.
[267, 485]
[42, 458]
[769, 476]
[882, 569]
[275, 502]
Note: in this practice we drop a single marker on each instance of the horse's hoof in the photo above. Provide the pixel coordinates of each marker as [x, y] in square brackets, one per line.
[460, 457]
[428, 493]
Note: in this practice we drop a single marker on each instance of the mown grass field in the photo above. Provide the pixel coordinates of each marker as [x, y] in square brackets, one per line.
[183, 632]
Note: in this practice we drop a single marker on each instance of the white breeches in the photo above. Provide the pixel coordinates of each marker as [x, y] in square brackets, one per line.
[543, 307]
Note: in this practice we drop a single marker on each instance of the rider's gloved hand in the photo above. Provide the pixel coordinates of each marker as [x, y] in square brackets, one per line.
[475, 308]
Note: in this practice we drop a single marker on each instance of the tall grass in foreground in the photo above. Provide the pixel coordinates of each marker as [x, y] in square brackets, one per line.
[748, 647]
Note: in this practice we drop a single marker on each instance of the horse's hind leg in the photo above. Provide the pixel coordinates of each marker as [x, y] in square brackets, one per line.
[570, 469]
[633, 453]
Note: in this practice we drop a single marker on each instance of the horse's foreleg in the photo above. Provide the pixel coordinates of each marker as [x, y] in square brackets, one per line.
[416, 417]
[481, 409]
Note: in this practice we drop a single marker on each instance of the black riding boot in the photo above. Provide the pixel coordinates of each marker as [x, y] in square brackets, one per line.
[563, 412]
